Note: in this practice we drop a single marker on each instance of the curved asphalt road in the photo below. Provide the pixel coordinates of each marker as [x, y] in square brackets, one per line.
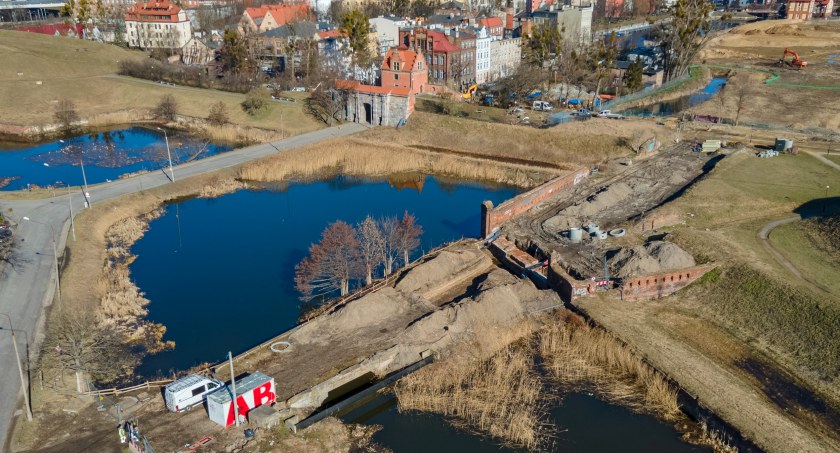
[28, 287]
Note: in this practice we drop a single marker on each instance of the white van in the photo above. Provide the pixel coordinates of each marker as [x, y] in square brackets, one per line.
[542, 106]
[189, 391]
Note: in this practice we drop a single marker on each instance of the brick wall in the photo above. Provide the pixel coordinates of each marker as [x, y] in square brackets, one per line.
[567, 286]
[519, 262]
[654, 286]
[492, 217]
[654, 221]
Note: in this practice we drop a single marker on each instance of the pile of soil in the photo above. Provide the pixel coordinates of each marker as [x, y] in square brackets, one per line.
[446, 265]
[651, 258]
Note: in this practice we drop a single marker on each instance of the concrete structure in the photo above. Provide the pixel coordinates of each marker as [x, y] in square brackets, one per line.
[263, 18]
[573, 22]
[505, 57]
[387, 29]
[403, 75]
[450, 54]
[157, 25]
[809, 9]
[482, 55]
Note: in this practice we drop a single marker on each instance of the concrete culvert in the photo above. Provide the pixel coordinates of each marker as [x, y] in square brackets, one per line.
[618, 232]
[280, 346]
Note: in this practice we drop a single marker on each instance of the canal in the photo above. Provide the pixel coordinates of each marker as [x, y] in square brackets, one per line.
[104, 155]
[680, 104]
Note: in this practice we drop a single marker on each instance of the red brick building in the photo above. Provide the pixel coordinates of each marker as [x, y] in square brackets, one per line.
[494, 25]
[450, 54]
[809, 9]
[404, 68]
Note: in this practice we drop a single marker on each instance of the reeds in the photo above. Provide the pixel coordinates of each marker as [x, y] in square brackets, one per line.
[120, 117]
[578, 355]
[235, 134]
[361, 158]
[500, 396]
[220, 186]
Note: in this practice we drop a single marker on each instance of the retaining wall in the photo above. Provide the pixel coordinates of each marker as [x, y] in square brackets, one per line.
[568, 287]
[493, 217]
[519, 262]
[654, 286]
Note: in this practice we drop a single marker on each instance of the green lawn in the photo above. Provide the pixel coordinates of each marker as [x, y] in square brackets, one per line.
[810, 257]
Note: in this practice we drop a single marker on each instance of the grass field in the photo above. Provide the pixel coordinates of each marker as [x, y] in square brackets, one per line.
[817, 262]
[833, 157]
[85, 72]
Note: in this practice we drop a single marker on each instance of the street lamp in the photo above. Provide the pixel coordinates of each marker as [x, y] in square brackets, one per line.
[55, 259]
[168, 154]
[23, 383]
[84, 178]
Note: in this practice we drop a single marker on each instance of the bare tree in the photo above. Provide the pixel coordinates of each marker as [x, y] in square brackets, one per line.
[218, 114]
[408, 237]
[332, 263]
[371, 245]
[77, 343]
[390, 227]
[685, 35]
[66, 114]
[167, 108]
[326, 104]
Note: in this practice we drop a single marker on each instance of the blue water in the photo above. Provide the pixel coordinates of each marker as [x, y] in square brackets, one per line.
[678, 105]
[106, 156]
[219, 272]
[582, 423]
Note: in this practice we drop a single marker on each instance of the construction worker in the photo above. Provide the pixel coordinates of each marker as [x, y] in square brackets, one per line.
[121, 431]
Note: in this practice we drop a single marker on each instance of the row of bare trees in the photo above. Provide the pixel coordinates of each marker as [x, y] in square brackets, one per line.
[346, 254]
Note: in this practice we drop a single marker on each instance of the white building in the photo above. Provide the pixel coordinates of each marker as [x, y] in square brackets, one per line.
[573, 22]
[505, 57]
[157, 25]
[387, 29]
[482, 54]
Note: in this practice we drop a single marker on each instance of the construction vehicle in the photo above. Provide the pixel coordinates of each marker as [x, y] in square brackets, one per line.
[795, 63]
[471, 91]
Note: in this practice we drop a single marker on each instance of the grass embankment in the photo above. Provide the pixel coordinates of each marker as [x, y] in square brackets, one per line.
[698, 77]
[813, 246]
[567, 144]
[84, 72]
[506, 396]
[753, 295]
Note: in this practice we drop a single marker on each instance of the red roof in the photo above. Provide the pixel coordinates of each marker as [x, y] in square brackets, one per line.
[282, 14]
[490, 22]
[402, 55]
[62, 29]
[155, 11]
[440, 43]
[331, 34]
[355, 85]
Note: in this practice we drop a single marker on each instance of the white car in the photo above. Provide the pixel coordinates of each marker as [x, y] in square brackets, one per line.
[189, 391]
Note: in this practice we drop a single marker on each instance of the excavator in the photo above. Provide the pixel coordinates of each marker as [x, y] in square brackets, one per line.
[796, 62]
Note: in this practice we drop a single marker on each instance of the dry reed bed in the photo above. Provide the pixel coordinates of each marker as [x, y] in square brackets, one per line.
[578, 355]
[505, 396]
[363, 158]
[501, 396]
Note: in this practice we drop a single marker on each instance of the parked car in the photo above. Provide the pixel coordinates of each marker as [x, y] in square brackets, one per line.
[542, 106]
[298, 89]
[609, 114]
[583, 112]
[189, 391]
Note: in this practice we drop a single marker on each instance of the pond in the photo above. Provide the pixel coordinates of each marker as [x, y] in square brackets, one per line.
[103, 156]
[219, 272]
[581, 423]
[680, 104]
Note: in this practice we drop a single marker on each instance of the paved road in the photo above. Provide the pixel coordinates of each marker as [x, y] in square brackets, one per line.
[28, 287]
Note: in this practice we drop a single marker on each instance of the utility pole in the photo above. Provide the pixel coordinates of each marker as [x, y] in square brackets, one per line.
[23, 383]
[70, 203]
[233, 388]
[169, 155]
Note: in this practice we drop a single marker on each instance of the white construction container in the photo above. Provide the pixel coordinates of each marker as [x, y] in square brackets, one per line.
[251, 392]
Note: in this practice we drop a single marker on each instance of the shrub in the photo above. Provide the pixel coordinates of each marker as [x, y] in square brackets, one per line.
[66, 114]
[256, 100]
[167, 108]
[218, 114]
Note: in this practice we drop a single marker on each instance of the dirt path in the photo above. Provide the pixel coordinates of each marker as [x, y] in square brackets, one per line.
[764, 235]
[822, 159]
[713, 378]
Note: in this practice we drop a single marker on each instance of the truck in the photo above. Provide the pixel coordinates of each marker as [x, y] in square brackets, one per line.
[189, 391]
[542, 106]
[252, 391]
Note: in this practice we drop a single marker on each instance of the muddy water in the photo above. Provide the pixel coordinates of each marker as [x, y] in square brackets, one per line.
[581, 423]
[105, 155]
[219, 272]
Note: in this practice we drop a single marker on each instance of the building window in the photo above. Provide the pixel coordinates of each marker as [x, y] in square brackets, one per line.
[396, 77]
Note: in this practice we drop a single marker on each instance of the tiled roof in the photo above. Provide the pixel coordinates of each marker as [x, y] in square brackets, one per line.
[490, 21]
[302, 28]
[334, 34]
[156, 11]
[282, 14]
[403, 55]
[440, 43]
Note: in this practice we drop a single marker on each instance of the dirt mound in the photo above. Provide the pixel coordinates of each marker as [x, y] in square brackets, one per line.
[367, 312]
[790, 30]
[651, 258]
[442, 269]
